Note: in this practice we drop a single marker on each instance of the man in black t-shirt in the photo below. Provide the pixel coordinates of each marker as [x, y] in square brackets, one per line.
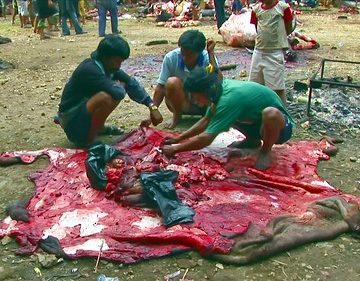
[95, 89]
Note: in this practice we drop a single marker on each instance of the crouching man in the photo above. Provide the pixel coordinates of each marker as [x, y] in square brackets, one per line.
[176, 66]
[253, 109]
[95, 89]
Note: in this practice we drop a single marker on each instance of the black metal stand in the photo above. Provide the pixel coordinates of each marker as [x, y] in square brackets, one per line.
[316, 83]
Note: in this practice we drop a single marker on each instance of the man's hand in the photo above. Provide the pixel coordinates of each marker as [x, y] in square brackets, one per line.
[145, 123]
[169, 150]
[210, 46]
[155, 117]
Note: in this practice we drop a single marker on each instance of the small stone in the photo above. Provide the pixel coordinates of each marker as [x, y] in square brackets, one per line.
[6, 240]
[305, 125]
[200, 262]
[243, 73]
[342, 246]
[302, 99]
[42, 113]
[47, 261]
[219, 266]
[353, 159]
[109, 266]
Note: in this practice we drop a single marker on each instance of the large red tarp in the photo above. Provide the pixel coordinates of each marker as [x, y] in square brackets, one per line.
[226, 194]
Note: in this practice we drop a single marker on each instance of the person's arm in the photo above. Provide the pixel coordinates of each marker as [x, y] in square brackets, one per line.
[165, 73]
[159, 94]
[210, 47]
[196, 129]
[133, 88]
[198, 142]
[288, 20]
[138, 94]
[253, 19]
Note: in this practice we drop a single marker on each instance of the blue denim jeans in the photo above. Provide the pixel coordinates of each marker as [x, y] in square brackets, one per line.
[219, 12]
[68, 11]
[3, 4]
[104, 6]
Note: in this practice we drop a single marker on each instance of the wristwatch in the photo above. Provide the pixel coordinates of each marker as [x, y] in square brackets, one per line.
[152, 107]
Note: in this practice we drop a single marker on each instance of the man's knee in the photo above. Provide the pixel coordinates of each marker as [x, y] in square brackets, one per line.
[173, 85]
[101, 101]
[273, 116]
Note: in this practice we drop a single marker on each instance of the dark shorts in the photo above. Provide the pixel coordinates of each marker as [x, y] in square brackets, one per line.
[76, 123]
[252, 131]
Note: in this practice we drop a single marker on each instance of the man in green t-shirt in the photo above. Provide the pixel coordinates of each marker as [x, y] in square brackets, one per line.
[253, 109]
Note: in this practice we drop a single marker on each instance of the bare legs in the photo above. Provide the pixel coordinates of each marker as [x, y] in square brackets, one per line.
[282, 95]
[175, 100]
[99, 106]
[273, 122]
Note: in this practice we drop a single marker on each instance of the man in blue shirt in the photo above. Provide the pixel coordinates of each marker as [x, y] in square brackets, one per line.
[95, 89]
[176, 66]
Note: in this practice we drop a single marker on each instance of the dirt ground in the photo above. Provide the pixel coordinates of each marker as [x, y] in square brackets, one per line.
[29, 96]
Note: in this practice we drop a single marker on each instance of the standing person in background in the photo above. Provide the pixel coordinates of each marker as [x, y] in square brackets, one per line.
[219, 12]
[14, 11]
[23, 12]
[3, 4]
[45, 9]
[103, 7]
[82, 10]
[68, 11]
[273, 22]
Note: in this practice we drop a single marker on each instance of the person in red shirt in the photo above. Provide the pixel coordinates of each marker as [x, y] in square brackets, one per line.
[273, 21]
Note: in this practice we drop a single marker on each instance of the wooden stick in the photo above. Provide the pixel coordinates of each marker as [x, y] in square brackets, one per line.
[227, 67]
[183, 278]
[98, 257]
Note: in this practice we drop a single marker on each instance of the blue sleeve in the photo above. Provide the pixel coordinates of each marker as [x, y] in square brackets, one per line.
[133, 88]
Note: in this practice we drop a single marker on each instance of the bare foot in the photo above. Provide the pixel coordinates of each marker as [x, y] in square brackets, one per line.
[263, 161]
[247, 143]
[172, 123]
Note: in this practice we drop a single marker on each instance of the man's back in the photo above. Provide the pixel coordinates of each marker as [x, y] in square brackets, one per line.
[242, 101]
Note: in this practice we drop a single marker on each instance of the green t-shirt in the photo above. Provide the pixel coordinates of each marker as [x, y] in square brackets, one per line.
[241, 101]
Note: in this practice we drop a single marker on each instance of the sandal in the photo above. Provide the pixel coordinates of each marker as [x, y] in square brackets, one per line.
[111, 130]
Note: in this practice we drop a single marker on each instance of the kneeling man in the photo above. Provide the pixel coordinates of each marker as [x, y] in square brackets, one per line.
[95, 89]
[253, 109]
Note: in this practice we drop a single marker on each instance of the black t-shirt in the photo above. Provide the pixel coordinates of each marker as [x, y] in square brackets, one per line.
[89, 79]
